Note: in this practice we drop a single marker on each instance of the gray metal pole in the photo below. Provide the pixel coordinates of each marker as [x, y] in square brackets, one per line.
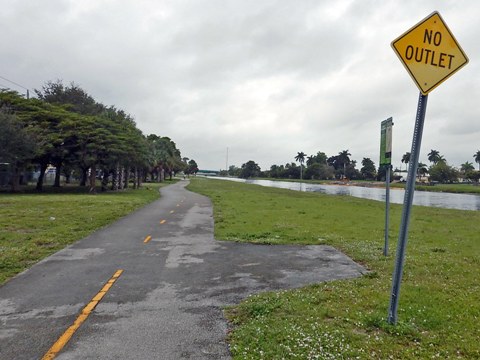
[407, 204]
[387, 209]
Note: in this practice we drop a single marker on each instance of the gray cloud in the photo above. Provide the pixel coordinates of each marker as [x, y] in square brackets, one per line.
[264, 78]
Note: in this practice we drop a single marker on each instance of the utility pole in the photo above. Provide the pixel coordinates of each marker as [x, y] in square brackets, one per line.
[226, 162]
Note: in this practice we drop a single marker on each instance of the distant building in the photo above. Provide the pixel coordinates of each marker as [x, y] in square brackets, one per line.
[401, 176]
[208, 172]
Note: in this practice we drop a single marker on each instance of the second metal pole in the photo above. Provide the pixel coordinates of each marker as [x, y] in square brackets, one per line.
[387, 209]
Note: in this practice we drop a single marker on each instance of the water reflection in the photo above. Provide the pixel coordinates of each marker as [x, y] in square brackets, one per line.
[422, 198]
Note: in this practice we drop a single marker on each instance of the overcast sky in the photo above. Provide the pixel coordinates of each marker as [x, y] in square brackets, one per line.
[265, 79]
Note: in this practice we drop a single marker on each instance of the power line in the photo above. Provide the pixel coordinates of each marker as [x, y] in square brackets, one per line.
[17, 84]
[13, 82]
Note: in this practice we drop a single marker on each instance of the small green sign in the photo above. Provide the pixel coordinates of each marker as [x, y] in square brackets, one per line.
[386, 142]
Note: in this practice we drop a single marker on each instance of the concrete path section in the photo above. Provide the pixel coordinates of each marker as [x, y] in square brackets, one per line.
[167, 303]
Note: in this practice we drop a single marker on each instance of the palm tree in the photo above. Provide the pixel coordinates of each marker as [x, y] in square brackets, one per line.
[310, 160]
[434, 156]
[301, 159]
[406, 158]
[476, 157]
[467, 166]
[343, 158]
[421, 169]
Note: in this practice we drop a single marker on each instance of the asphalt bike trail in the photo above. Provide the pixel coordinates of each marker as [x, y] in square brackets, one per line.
[152, 285]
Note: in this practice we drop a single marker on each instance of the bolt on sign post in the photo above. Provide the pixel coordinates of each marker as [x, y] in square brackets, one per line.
[430, 54]
[386, 162]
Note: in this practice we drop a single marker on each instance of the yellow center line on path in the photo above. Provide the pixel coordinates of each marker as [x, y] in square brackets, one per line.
[163, 221]
[147, 239]
[172, 211]
[66, 336]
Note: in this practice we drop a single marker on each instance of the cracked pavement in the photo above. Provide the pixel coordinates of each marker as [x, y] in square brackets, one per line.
[168, 303]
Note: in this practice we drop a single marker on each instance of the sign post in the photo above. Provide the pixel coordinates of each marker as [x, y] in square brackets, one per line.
[407, 205]
[386, 161]
[430, 54]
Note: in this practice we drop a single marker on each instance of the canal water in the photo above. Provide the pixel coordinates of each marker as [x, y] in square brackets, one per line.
[422, 198]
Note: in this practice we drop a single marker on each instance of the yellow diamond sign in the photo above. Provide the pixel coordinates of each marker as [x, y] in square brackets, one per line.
[429, 52]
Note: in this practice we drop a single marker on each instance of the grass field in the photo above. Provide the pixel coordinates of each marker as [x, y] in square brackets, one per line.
[33, 226]
[439, 303]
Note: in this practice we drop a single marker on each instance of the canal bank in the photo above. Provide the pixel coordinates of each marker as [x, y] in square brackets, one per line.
[421, 198]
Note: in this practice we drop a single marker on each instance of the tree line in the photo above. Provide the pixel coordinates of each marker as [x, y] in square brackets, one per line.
[68, 129]
[318, 167]
[323, 167]
[441, 171]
